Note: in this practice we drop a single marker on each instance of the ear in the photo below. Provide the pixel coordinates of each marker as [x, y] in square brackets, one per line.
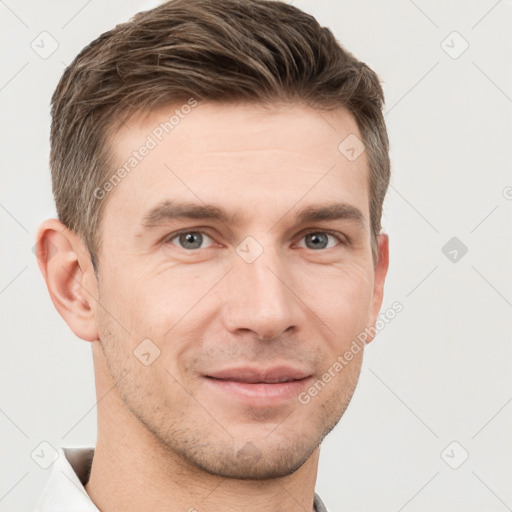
[381, 270]
[67, 269]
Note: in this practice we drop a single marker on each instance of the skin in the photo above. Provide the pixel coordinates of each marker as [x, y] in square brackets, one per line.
[166, 438]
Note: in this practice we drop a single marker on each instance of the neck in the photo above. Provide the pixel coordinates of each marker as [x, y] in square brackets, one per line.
[134, 472]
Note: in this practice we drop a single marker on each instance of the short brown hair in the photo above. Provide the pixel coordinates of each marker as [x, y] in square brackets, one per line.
[220, 51]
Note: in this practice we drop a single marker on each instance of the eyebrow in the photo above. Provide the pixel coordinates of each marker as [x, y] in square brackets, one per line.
[170, 210]
[173, 210]
[334, 211]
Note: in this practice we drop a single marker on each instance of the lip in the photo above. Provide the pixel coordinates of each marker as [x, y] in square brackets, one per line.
[259, 386]
[253, 375]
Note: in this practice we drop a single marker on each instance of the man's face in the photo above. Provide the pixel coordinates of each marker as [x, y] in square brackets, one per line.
[235, 304]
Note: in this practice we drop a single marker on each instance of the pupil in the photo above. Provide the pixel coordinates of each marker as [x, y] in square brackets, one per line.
[188, 240]
[316, 237]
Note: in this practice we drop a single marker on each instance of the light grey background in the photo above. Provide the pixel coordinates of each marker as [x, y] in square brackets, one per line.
[438, 373]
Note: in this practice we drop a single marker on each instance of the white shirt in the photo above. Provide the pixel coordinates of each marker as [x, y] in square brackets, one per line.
[65, 491]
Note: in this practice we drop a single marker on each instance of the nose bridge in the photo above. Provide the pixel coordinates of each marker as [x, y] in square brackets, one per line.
[260, 297]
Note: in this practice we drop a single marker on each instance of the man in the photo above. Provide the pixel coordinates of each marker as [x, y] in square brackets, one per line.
[219, 170]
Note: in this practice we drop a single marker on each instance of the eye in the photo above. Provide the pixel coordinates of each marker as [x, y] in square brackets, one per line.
[320, 240]
[189, 240]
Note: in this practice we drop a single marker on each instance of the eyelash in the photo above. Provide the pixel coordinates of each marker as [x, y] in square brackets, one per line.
[343, 240]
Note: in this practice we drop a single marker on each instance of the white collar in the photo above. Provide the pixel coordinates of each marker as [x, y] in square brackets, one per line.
[65, 489]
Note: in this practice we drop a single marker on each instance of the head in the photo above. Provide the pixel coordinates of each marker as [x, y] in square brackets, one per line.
[219, 170]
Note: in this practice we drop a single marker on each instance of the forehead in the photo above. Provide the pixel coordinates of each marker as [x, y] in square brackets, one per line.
[249, 157]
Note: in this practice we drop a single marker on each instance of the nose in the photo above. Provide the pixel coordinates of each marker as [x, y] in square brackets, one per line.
[260, 297]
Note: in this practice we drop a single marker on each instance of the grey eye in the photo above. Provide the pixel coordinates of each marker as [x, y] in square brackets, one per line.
[319, 240]
[190, 239]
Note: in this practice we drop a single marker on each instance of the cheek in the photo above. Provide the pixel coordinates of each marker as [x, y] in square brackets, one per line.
[138, 301]
[341, 296]
[169, 309]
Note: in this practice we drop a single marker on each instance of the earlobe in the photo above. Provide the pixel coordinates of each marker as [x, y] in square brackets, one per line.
[63, 261]
[381, 270]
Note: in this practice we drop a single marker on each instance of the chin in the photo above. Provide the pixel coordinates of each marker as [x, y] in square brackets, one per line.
[251, 463]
